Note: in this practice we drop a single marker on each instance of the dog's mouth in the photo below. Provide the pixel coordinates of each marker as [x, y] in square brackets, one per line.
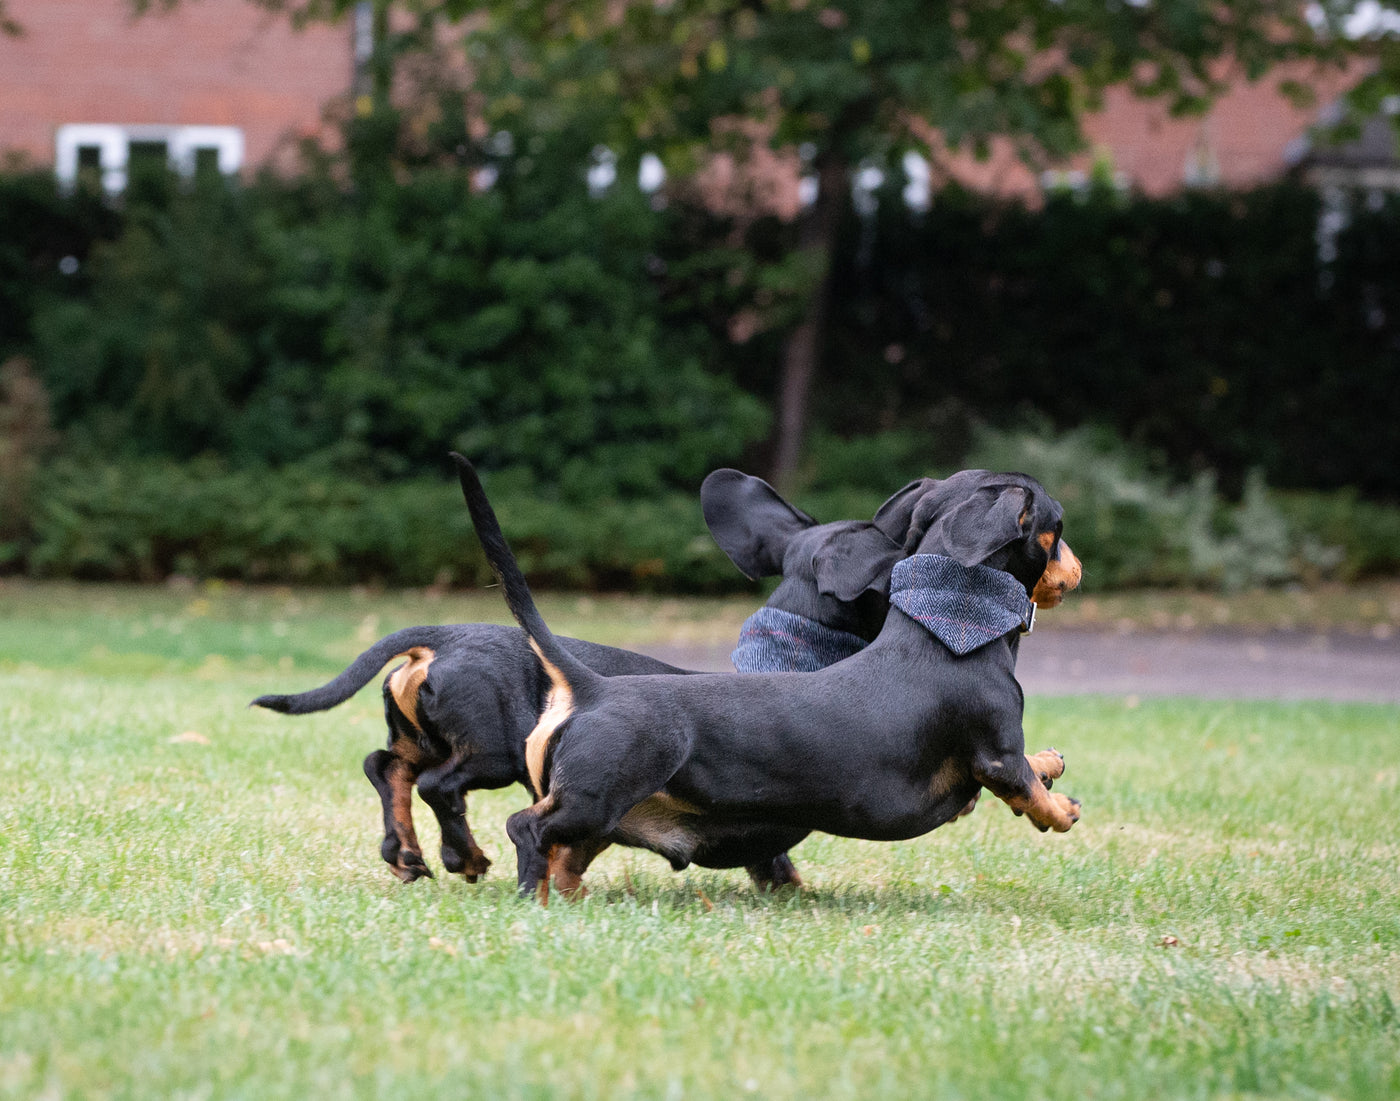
[1062, 575]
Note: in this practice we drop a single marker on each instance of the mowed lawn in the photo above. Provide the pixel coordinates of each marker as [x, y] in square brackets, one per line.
[192, 902]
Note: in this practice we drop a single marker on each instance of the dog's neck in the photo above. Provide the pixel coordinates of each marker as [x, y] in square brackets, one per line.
[862, 617]
[964, 607]
[776, 641]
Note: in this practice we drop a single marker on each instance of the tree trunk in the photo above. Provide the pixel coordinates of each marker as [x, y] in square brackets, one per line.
[803, 350]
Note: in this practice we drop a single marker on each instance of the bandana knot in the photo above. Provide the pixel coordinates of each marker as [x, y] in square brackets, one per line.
[964, 607]
[774, 641]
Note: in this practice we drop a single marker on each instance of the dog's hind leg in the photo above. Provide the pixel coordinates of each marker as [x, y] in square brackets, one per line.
[539, 863]
[393, 778]
[559, 836]
[393, 771]
[531, 863]
[442, 789]
[769, 875]
[567, 863]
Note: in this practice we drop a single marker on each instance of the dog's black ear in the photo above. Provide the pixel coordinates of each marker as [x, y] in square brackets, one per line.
[974, 529]
[854, 558]
[894, 516]
[749, 521]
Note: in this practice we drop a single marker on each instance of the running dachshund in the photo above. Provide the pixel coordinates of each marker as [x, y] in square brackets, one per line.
[460, 709]
[888, 744]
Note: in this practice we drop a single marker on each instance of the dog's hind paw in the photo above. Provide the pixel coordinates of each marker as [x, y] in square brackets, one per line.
[409, 866]
[776, 874]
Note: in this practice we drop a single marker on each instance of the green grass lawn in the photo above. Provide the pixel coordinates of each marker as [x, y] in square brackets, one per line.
[192, 903]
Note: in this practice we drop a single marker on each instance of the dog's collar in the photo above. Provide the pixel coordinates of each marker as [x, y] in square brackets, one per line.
[774, 641]
[964, 607]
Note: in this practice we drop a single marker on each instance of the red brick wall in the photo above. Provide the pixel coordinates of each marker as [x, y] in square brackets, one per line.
[1243, 139]
[210, 62]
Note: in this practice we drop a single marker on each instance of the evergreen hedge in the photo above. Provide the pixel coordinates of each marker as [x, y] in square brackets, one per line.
[257, 380]
[1207, 328]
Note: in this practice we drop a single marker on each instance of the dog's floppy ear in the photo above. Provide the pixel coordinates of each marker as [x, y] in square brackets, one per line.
[854, 558]
[894, 516]
[974, 529]
[749, 521]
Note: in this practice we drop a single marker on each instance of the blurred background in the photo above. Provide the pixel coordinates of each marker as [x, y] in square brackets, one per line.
[263, 264]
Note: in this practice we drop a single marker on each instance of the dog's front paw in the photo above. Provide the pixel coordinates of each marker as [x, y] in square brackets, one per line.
[1067, 806]
[476, 867]
[1048, 766]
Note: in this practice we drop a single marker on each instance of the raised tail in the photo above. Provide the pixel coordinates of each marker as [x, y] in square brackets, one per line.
[359, 673]
[503, 564]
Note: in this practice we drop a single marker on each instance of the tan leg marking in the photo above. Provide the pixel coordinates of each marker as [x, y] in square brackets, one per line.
[567, 863]
[1047, 810]
[558, 706]
[659, 822]
[401, 775]
[950, 773]
[407, 679]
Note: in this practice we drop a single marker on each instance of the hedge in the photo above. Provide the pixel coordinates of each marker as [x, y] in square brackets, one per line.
[147, 519]
[592, 339]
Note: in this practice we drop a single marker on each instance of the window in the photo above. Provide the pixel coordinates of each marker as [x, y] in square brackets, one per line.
[111, 153]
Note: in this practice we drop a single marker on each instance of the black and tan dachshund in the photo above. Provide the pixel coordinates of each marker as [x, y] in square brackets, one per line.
[460, 709]
[888, 744]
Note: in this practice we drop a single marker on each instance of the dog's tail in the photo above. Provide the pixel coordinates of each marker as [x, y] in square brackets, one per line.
[565, 667]
[359, 673]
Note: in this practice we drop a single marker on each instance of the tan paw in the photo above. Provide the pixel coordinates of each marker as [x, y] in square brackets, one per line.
[1067, 806]
[1048, 765]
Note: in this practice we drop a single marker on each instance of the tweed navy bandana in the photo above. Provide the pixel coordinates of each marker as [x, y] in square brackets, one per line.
[775, 641]
[964, 607]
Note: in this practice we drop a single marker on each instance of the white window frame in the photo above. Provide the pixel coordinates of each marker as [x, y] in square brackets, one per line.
[113, 143]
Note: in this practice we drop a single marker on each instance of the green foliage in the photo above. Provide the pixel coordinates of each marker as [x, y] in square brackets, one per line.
[847, 78]
[148, 519]
[1132, 526]
[1203, 327]
[1343, 535]
[221, 353]
[838, 83]
[45, 237]
[518, 325]
[25, 439]
[310, 522]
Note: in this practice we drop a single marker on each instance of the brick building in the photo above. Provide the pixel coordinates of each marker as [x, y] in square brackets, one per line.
[87, 84]
[1253, 134]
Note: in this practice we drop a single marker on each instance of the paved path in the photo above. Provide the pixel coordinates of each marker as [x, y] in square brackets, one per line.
[1288, 665]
